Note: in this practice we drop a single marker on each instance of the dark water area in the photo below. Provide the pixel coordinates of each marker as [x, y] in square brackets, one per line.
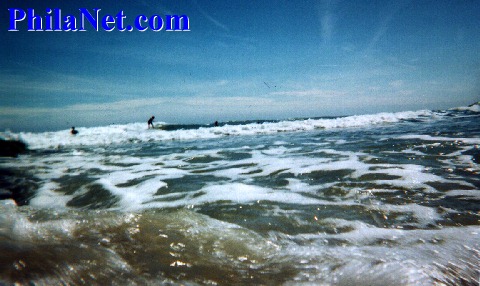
[383, 199]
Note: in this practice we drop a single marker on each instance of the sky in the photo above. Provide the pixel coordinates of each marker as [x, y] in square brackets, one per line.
[241, 60]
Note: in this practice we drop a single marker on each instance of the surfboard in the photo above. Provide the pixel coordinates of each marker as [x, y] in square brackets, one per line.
[158, 127]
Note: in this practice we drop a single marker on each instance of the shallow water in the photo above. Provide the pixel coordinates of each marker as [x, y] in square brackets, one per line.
[383, 199]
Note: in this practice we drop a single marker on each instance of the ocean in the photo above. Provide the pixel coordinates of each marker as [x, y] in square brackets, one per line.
[380, 199]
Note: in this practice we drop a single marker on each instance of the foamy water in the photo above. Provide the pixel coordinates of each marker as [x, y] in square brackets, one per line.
[382, 199]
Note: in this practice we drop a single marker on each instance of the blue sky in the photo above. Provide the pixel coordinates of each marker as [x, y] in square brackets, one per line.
[240, 60]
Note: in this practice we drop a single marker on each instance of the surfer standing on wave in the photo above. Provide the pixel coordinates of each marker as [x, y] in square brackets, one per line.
[73, 131]
[150, 121]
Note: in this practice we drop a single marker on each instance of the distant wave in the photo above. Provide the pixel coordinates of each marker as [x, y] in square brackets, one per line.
[475, 107]
[137, 132]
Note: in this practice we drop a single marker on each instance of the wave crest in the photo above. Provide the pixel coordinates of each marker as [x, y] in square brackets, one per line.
[137, 132]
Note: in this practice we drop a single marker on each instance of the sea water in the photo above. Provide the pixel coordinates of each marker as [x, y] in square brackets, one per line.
[381, 199]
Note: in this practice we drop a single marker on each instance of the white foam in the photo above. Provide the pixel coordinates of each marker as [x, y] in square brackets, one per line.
[146, 176]
[424, 215]
[132, 197]
[473, 107]
[383, 256]
[47, 197]
[474, 194]
[236, 193]
[410, 176]
[440, 138]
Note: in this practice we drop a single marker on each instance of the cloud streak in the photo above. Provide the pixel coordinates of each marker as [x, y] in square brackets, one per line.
[327, 19]
[385, 22]
[310, 93]
[211, 19]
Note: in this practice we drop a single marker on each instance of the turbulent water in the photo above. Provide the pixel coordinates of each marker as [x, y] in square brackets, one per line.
[382, 199]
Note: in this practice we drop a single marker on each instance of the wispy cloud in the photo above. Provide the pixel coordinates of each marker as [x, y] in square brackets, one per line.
[211, 19]
[155, 6]
[310, 93]
[327, 27]
[396, 83]
[63, 83]
[327, 19]
[384, 25]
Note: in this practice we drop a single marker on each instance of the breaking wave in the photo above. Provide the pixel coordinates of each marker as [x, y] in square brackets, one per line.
[137, 132]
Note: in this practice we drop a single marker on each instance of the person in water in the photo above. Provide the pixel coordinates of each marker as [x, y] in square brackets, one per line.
[150, 121]
[73, 131]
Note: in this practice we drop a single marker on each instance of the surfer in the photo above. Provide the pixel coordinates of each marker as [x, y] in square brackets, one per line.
[73, 131]
[216, 123]
[150, 121]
